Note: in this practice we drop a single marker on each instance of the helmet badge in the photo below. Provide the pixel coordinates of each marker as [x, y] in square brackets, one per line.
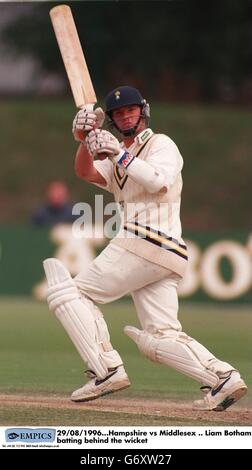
[117, 95]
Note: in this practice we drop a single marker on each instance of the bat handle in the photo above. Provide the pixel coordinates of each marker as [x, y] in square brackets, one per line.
[89, 106]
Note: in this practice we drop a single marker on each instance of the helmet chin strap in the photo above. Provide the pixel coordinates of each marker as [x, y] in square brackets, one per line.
[132, 130]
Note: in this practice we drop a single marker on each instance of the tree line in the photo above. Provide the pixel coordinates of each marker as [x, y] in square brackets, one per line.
[173, 50]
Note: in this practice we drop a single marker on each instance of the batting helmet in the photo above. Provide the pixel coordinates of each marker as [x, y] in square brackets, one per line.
[126, 96]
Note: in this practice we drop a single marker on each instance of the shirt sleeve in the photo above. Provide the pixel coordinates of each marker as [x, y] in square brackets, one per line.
[105, 168]
[164, 156]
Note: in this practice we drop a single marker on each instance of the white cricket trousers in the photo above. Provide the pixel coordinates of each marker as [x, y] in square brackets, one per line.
[117, 272]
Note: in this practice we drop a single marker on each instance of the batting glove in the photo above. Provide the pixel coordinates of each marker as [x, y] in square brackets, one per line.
[102, 142]
[85, 120]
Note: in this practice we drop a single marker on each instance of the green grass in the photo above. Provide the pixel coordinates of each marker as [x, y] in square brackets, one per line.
[38, 358]
[37, 416]
[216, 143]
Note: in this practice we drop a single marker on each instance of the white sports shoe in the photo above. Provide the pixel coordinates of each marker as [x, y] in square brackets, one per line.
[116, 380]
[229, 390]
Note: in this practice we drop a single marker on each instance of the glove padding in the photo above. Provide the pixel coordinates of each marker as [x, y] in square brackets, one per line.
[102, 142]
[85, 120]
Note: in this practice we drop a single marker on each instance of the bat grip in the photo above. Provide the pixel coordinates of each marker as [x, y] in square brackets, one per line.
[89, 106]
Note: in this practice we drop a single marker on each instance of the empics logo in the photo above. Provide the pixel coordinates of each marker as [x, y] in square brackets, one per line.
[12, 435]
[29, 435]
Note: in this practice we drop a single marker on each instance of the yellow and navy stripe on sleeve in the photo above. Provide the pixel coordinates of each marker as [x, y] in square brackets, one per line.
[157, 238]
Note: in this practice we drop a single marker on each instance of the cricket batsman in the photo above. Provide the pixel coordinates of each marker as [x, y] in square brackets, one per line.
[147, 258]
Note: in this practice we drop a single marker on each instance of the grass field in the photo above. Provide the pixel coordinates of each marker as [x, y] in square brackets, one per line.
[40, 366]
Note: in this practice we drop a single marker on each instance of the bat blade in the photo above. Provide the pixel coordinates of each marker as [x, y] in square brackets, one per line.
[72, 55]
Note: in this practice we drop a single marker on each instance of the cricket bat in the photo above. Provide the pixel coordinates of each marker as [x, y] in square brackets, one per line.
[72, 55]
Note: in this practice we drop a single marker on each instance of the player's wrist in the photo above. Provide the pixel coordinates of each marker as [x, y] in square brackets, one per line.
[124, 158]
[80, 135]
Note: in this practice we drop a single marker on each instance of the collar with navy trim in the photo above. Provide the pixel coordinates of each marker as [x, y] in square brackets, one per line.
[143, 136]
[140, 139]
